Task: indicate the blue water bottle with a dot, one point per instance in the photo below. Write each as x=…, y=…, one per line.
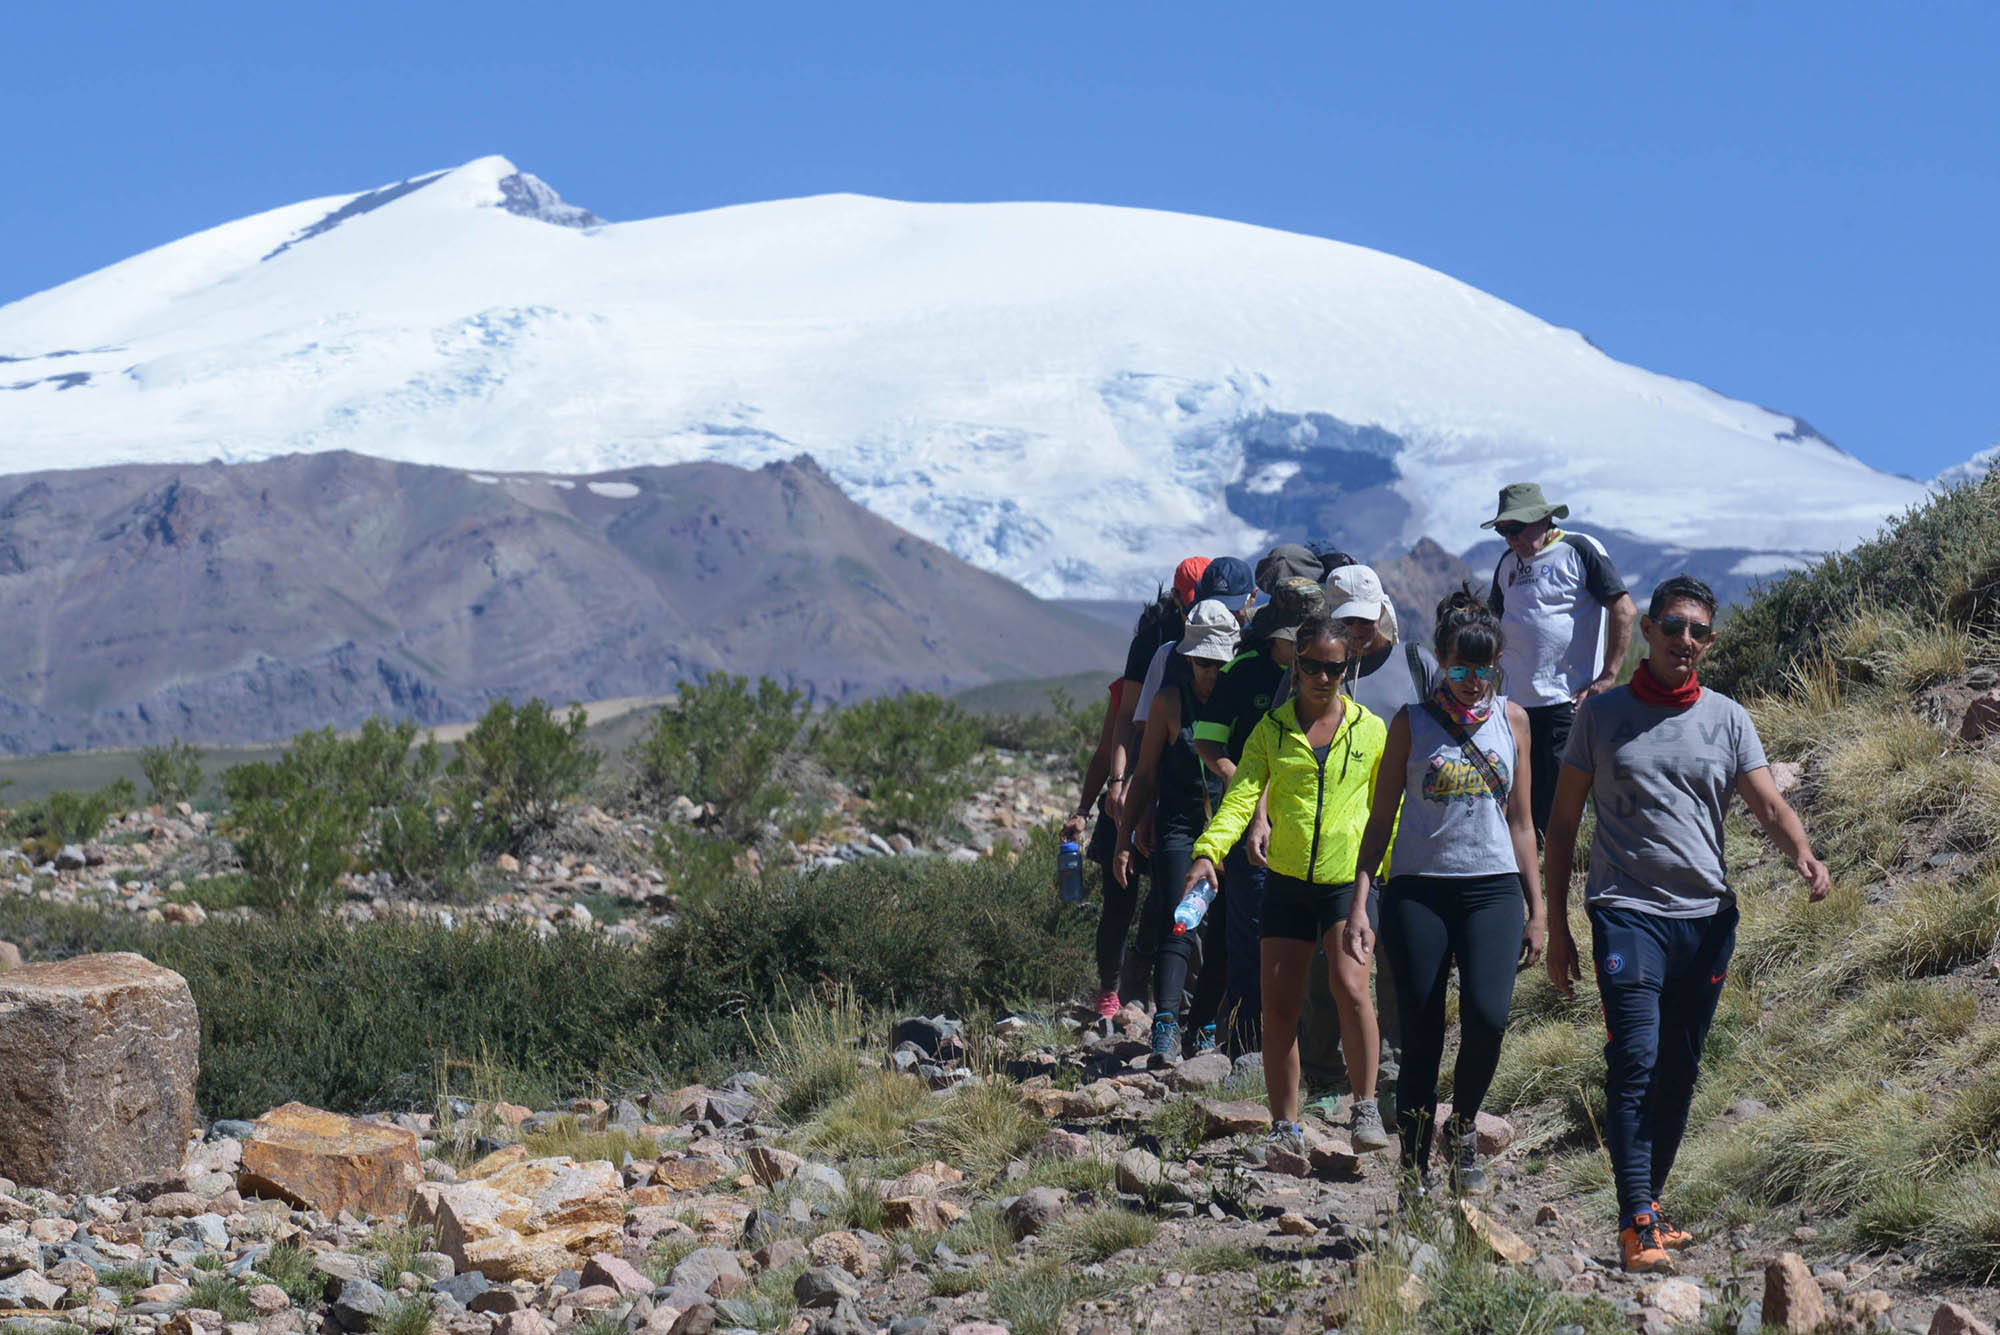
x=1069, y=873
x=1194, y=907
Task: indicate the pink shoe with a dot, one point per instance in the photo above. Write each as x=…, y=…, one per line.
x=1107, y=1005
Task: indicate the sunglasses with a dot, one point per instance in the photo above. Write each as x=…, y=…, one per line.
x=1357, y=623
x=1510, y=529
x=1317, y=667
x=1671, y=627
x=1459, y=672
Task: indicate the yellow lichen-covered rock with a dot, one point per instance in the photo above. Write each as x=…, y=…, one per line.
x=322, y=1161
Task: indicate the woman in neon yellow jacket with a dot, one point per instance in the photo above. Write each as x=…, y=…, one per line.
x=1314, y=759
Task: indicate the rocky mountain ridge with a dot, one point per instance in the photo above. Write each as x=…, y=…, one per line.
x=245, y=602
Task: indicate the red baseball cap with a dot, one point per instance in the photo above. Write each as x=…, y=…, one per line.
x=1187, y=577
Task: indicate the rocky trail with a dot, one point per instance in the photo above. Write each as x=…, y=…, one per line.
x=1045, y=1178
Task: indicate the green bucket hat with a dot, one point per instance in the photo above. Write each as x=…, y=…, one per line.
x=1523, y=503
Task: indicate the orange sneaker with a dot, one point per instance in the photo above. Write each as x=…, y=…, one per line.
x=1639, y=1246
x=1673, y=1239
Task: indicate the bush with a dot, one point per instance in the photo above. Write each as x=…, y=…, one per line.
x=903, y=932
x=1065, y=728
x=720, y=743
x=907, y=755
x=173, y=772
x=64, y=817
x=362, y=1016
x=1938, y=562
x=518, y=765
x=693, y=863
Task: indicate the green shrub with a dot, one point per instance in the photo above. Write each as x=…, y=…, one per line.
x=64, y=817
x=720, y=743
x=1065, y=728
x=518, y=765
x=692, y=862
x=330, y=803
x=907, y=755
x=902, y=931
x=1939, y=561
x=361, y=1016
x=173, y=772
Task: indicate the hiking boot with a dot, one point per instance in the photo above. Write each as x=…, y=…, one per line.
x=1365, y=1130
x=1204, y=1039
x=1107, y=1004
x=1673, y=1239
x=1166, y=1039
x=1289, y=1136
x=1461, y=1157
x=1639, y=1247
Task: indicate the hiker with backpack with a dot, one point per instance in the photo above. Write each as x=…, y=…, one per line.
x=1463, y=885
x=1660, y=760
x=1170, y=782
x=1567, y=620
x=1315, y=759
x=1161, y=621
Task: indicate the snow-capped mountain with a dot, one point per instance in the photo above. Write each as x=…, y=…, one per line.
x=1070, y=395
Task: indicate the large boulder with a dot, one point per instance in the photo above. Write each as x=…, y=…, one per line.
x=529, y=1221
x=322, y=1161
x=97, y=1085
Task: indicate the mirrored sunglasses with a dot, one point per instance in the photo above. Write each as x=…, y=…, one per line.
x=1459, y=672
x=1671, y=627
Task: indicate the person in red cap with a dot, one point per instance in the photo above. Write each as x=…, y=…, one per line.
x=1161, y=622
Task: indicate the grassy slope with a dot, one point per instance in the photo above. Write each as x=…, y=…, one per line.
x=1867, y=1024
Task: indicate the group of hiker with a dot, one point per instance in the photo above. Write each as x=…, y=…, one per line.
x=1278, y=749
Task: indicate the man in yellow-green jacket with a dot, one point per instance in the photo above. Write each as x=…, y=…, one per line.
x=1314, y=760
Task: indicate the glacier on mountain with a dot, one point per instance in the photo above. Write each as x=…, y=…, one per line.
x=1074, y=396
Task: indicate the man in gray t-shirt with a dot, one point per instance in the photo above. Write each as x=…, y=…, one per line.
x=1661, y=758
x=1662, y=780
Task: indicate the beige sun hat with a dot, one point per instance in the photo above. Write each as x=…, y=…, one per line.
x=1212, y=631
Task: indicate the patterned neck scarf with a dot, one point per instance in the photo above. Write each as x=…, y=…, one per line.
x=1469, y=717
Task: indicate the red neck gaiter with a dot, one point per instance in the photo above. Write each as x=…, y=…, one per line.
x=1647, y=688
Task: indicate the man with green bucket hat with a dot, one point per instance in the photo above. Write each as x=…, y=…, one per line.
x=1567, y=620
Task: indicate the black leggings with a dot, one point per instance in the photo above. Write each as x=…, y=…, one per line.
x=1114, y=925
x=1427, y=922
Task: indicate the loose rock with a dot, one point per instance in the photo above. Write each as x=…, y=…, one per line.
x=1792, y=1301
x=322, y=1161
x=99, y=1075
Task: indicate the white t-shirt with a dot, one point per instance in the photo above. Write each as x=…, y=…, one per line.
x=1552, y=612
x=1156, y=672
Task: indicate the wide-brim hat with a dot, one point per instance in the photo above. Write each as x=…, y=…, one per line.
x=1287, y=561
x=1212, y=632
x=1523, y=503
x=1292, y=601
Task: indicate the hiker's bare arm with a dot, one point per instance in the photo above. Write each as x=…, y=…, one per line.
x=1558, y=857
x=1759, y=792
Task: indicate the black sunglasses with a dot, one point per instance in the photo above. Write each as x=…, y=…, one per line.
x=1671, y=627
x=1317, y=667
x=1510, y=529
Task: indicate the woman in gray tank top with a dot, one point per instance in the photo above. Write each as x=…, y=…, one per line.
x=1464, y=885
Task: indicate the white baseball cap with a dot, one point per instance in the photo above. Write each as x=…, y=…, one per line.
x=1355, y=591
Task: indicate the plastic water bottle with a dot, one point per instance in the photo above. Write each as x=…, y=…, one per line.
x=1192, y=908
x=1069, y=873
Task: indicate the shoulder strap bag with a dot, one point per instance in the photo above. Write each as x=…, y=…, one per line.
x=1452, y=729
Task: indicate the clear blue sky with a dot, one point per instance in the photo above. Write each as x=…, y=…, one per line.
x=1794, y=203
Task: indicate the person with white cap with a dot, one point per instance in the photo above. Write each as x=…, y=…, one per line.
x=1384, y=673
x=1567, y=620
x=1172, y=783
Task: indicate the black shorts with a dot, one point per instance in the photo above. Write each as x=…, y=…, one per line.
x=1296, y=910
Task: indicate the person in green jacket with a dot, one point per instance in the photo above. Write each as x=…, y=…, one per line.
x=1314, y=759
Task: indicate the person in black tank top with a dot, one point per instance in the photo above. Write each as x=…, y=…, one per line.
x=1181, y=792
